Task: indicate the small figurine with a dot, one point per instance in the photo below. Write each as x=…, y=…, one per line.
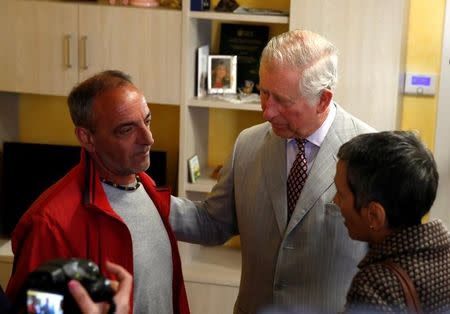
x=226, y=6
x=248, y=87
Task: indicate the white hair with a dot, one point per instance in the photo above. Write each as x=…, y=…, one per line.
x=314, y=56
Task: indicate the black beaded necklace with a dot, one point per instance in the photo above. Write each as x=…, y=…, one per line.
x=123, y=187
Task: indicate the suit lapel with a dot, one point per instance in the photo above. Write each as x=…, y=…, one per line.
x=274, y=174
x=321, y=176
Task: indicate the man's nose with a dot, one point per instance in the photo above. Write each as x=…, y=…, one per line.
x=147, y=136
x=269, y=109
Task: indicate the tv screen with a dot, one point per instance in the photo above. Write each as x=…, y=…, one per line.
x=29, y=169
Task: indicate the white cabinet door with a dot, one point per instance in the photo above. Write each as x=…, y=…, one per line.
x=47, y=47
x=38, y=41
x=145, y=43
x=8, y=11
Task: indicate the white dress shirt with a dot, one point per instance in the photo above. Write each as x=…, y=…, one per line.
x=313, y=143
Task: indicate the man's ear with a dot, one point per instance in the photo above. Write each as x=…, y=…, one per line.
x=376, y=216
x=85, y=138
x=324, y=101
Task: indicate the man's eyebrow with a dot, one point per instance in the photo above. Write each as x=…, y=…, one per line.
x=148, y=116
x=277, y=95
x=283, y=97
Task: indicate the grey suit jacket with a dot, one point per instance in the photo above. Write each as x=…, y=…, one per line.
x=308, y=262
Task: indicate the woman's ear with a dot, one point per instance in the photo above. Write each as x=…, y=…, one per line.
x=376, y=216
x=85, y=138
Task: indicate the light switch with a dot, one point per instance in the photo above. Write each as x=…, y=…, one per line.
x=420, y=84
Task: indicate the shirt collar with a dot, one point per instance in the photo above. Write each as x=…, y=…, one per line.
x=319, y=135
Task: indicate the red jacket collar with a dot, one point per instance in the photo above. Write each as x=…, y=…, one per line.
x=94, y=194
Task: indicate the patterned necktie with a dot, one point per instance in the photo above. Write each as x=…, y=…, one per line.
x=297, y=177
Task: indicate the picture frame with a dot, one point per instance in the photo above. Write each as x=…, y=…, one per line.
x=202, y=70
x=222, y=74
x=194, y=169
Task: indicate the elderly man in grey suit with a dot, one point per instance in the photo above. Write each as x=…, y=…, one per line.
x=300, y=256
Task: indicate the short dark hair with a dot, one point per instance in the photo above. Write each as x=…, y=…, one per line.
x=82, y=96
x=395, y=169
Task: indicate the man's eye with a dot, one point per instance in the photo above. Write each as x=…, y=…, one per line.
x=283, y=101
x=125, y=130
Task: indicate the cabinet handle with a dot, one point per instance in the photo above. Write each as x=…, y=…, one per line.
x=84, y=64
x=67, y=44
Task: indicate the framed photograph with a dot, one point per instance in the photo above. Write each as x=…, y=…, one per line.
x=194, y=168
x=222, y=74
x=202, y=70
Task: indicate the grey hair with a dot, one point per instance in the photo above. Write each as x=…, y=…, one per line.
x=313, y=55
x=82, y=96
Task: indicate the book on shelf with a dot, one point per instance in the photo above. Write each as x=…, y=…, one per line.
x=200, y=5
x=247, y=42
x=194, y=169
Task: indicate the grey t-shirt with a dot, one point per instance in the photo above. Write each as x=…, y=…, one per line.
x=152, y=254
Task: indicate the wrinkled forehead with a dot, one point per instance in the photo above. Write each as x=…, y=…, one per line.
x=120, y=103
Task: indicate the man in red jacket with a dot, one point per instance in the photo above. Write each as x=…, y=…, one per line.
x=107, y=208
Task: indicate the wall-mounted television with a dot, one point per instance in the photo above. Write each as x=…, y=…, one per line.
x=28, y=169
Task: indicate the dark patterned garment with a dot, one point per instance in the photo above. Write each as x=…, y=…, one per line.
x=424, y=252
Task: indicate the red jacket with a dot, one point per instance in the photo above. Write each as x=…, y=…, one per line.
x=73, y=218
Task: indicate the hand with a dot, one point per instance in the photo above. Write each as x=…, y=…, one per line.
x=121, y=298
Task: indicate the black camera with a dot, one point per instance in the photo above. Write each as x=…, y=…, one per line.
x=47, y=290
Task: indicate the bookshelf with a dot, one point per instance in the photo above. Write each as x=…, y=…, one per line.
x=371, y=45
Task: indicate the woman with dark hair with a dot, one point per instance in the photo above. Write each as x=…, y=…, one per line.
x=386, y=182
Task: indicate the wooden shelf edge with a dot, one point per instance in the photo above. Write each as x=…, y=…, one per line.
x=204, y=185
x=211, y=102
x=225, y=16
x=209, y=274
x=6, y=254
x=216, y=265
